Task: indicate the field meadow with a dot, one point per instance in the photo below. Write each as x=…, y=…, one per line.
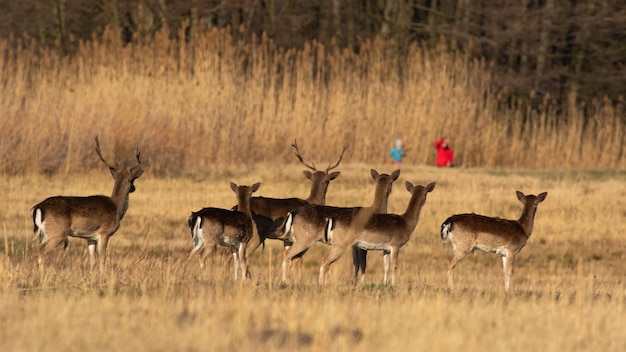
x=568, y=290
x=215, y=110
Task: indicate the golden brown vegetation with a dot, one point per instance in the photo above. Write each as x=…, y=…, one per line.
x=212, y=111
x=568, y=290
x=196, y=106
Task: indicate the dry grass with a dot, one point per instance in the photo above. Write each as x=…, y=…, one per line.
x=568, y=290
x=193, y=107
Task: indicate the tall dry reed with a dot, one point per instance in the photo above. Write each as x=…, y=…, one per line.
x=194, y=107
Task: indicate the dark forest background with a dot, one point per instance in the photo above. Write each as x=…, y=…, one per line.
x=569, y=53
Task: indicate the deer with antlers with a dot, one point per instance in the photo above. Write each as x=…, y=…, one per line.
x=308, y=224
x=269, y=213
x=230, y=228
x=468, y=232
x=94, y=218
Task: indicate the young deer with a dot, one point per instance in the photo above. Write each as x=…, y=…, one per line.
x=230, y=228
x=381, y=198
x=269, y=213
x=307, y=223
x=386, y=232
x=94, y=218
x=468, y=232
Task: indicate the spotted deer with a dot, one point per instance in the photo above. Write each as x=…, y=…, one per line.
x=468, y=232
x=229, y=228
x=93, y=218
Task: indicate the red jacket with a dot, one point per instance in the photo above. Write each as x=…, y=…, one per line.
x=445, y=156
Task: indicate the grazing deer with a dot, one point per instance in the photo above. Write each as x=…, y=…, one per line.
x=468, y=232
x=230, y=228
x=275, y=209
x=386, y=232
x=94, y=218
x=381, y=198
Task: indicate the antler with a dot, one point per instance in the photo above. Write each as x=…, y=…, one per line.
x=338, y=161
x=138, y=160
x=100, y=154
x=295, y=145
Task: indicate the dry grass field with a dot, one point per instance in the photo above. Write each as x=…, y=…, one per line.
x=216, y=110
x=568, y=288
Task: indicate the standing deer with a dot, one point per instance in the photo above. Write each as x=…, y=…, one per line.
x=386, y=232
x=94, y=218
x=307, y=225
x=468, y=232
x=230, y=228
x=381, y=198
x=275, y=209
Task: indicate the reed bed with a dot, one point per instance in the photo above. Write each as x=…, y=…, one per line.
x=567, y=291
x=195, y=106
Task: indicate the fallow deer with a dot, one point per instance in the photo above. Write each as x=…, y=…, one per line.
x=275, y=209
x=306, y=225
x=230, y=228
x=381, y=199
x=468, y=232
x=386, y=232
x=94, y=218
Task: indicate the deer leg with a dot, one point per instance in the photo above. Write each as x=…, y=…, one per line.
x=507, y=263
x=102, y=251
x=454, y=260
x=93, y=252
x=386, y=260
x=331, y=257
x=295, y=250
x=204, y=253
x=359, y=257
x=393, y=263
x=47, y=246
x=253, y=244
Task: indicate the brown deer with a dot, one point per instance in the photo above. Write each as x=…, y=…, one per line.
x=386, y=232
x=94, y=218
x=230, y=228
x=381, y=199
x=468, y=232
x=307, y=225
x=269, y=213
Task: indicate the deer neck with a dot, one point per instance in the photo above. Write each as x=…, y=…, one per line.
x=120, y=197
x=243, y=205
x=318, y=193
x=527, y=218
x=413, y=210
x=381, y=199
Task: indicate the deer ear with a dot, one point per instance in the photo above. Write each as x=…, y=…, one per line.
x=112, y=171
x=395, y=174
x=542, y=196
x=308, y=174
x=520, y=196
x=255, y=187
x=333, y=176
x=233, y=186
x=409, y=186
x=374, y=174
x=430, y=187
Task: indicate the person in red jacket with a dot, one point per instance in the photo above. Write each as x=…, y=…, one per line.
x=445, y=155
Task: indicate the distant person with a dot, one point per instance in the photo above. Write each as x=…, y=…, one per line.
x=397, y=153
x=445, y=155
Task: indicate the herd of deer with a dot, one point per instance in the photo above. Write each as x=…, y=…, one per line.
x=299, y=223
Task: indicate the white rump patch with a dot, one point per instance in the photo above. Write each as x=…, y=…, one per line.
x=198, y=237
x=328, y=232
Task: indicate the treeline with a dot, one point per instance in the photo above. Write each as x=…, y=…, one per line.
x=564, y=52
